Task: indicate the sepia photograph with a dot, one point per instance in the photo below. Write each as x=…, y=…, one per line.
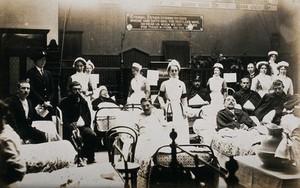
x=149, y=94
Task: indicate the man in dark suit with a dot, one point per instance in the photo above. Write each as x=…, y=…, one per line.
x=76, y=114
x=247, y=98
x=42, y=87
x=22, y=111
x=251, y=71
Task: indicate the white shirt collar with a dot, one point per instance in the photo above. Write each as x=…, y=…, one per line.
x=39, y=69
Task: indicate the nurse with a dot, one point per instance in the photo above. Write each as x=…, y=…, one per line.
x=217, y=86
x=139, y=86
x=172, y=98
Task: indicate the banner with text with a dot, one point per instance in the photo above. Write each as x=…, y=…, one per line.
x=164, y=22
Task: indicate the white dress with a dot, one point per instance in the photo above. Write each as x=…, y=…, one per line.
x=83, y=79
x=216, y=85
x=274, y=70
x=138, y=85
x=174, y=88
x=261, y=84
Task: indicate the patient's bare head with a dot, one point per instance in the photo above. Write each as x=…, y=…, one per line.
x=245, y=83
x=229, y=102
x=147, y=106
x=278, y=87
x=23, y=89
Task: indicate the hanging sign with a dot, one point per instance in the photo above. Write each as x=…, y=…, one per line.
x=164, y=22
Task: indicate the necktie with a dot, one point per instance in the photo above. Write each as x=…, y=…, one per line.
x=42, y=72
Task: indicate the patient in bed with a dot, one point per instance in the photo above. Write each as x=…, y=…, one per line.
x=151, y=129
x=103, y=98
x=233, y=118
x=224, y=122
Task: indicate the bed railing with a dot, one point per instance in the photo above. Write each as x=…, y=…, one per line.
x=212, y=164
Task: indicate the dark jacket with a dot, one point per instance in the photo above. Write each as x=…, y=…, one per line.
x=226, y=119
x=20, y=123
x=42, y=87
x=202, y=92
x=72, y=110
x=272, y=101
x=99, y=100
x=242, y=96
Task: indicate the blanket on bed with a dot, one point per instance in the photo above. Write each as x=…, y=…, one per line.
x=237, y=142
x=47, y=157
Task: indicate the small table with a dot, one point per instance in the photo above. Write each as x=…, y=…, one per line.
x=94, y=175
x=252, y=173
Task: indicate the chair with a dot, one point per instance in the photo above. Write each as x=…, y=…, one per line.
x=121, y=142
x=104, y=119
x=230, y=91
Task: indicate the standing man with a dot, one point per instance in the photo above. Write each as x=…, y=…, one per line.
x=76, y=113
x=22, y=113
x=198, y=92
x=247, y=98
x=42, y=87
x=251, y=71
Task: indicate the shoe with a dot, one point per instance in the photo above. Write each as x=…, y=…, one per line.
x=91, y=161
x=79, y=161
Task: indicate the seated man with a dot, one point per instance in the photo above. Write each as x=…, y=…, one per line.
x=22, y=112
x=233, y=118
x=76, y=113
x=103, y=97
x=198, y=94
x=276, y=104
x=247, y=98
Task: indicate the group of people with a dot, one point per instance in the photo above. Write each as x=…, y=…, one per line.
x=267, y=95
x=268, y=71
x=267, y=110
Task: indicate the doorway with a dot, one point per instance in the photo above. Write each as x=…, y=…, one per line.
x=16, y=45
